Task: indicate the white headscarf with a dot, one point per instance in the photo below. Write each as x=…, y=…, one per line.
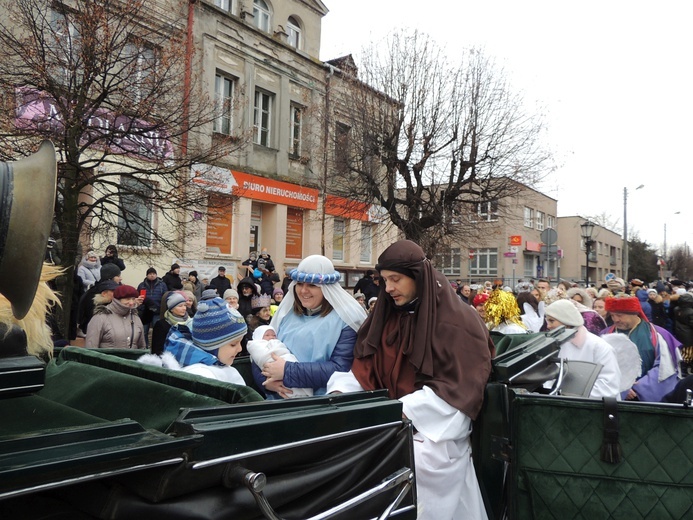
x=318, y=270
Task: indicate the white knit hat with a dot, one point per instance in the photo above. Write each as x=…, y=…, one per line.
x=565, y=312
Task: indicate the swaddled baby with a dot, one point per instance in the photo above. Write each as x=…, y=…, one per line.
x=261, y=348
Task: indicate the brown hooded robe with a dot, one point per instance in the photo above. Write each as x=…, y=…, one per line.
x=435, y=341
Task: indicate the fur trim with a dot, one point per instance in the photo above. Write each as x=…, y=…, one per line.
x=166, y=360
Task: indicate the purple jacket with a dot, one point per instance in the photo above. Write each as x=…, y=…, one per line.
x=593, y=321
x=648, y=387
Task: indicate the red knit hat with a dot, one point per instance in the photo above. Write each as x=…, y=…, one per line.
x=480, y=299
x=125, y=291
x=625, y=305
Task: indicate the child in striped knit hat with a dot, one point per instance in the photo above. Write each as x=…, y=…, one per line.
x=213, y=343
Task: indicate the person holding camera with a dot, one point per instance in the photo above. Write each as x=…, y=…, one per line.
x=112, y=257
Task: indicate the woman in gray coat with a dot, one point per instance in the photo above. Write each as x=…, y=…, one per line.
x=116, y=324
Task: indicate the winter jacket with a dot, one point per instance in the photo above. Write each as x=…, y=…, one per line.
x=683, y=319
x=85, y=308
x=155, y=292
x=114, y=325
x=197, y=289
x=316, y=375
x=160, y=332
x=286, y=281
x=266, y=267
x=367, y=287
x=221, y=284
x=244, y=305
x=113, y=260
x=659, y=314
x=641, y=295
x=173, y=281
x=89, y=272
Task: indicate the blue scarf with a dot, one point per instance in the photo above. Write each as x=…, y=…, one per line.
x=179, y=343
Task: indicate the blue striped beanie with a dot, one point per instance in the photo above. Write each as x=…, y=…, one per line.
x=215, y=324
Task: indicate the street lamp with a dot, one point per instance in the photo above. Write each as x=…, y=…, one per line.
x=587, y=229
x=625, y=265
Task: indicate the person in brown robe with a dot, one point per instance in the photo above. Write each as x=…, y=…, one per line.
x=433, y=353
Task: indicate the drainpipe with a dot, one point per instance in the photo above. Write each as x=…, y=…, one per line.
x=187, y=80
x=326, y=140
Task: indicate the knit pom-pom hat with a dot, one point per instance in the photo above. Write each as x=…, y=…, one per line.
x=215, y=324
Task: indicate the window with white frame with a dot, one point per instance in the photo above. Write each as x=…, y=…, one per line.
x=65, y=45
x=551, y=221
x=135, y=215
x=488, y=211
x=261, y=15
x=540, y=221
x=223, y=94
x=366, y=242
x=338, y=233
x=226, y=5
x=529, y=217
x=141, y=66
x=449, y=263
x=296, y=129
x=485, y=262
x=293, y=31
x=262, y=118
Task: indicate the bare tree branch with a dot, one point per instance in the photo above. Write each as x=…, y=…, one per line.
x=104, y=81
x=441, y=139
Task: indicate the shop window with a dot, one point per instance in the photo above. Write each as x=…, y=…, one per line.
x=294, y=233
x=219, y=224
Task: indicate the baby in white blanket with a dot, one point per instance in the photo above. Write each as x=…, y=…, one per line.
x=261, y=348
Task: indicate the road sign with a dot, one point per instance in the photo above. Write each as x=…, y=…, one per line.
x=609, y=276
x=549, y=236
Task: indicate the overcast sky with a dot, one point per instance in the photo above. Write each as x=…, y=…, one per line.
x=614, y=78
